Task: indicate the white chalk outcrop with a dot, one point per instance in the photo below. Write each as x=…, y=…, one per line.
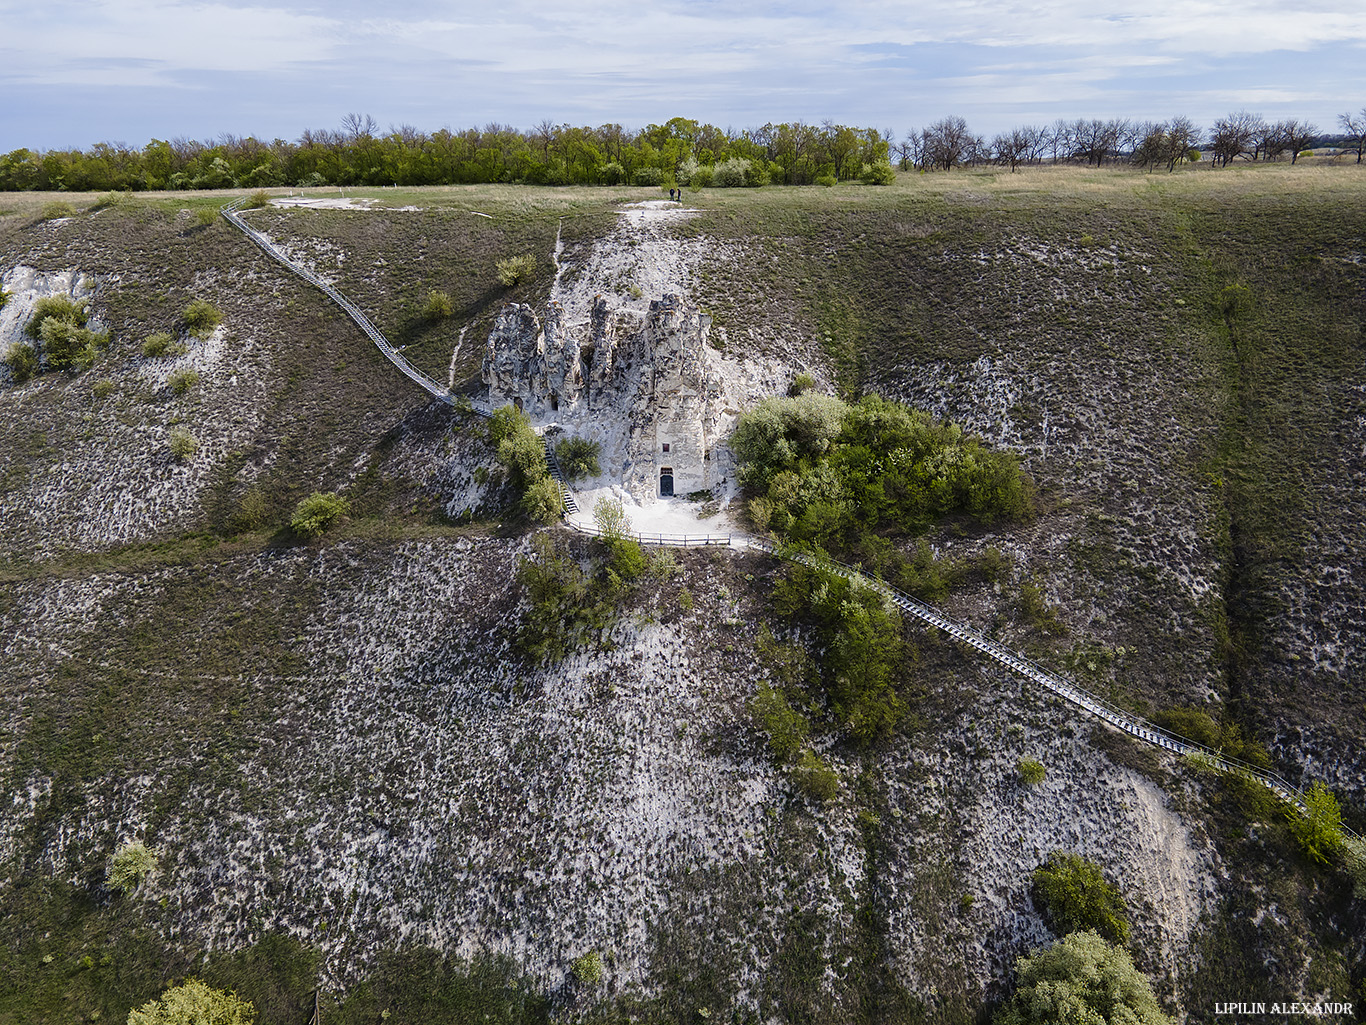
x=649, y=388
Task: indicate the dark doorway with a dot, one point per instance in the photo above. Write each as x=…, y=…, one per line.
x=517, y=401
x=666, y=482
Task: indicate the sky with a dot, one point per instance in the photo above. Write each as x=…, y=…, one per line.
x=126, y=71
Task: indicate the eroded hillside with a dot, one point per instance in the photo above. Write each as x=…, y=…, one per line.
x=340, y=741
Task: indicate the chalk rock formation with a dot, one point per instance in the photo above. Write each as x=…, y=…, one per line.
x=649, y=388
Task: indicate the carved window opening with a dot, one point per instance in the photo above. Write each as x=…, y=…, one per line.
x=666, y=446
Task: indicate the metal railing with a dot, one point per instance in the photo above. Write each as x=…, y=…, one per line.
x=671, y=540
x=1120, y=718
x=436, y=390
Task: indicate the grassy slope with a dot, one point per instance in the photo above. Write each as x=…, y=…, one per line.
x=1070, y=314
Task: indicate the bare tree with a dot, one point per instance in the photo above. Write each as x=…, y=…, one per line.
x=1354, y=125
x=1098, y=140
x=1151, y=147
x=1181, y=136
x=1233, y=134
x=913, y=148
x=1269, y=141
x=946, y=143
x=358, y=126
x=544, y=133
x=1061, y=139
x=1012, y=148
x=1297, y=135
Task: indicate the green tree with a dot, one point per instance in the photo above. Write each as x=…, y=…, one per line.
x=614, y=526
x=1081, y=980
x=588, y=968
x=1032, y=772
x=578, y=458
x=515, y=269
x=1319, y=833
x=1073, y=895
x=542, y=500
x=316, y=513
x=785, y=727
x=194, y=1003
x=132, y=863
x=438, y=305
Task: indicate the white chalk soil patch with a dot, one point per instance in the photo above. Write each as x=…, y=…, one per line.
x=339, y=203
x=637, y=261
x=670, y=517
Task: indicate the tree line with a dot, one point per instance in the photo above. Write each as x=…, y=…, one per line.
x=680, y=152
x=358, y=153
x=950, y=143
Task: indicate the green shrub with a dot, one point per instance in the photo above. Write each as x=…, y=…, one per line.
x=542, y=501
x=786, y=728
x=702, y=178
x=828, y=180
x=516, y=269
x=1035, y=610
x=588, y=968
x=162, y=343
x=861, y=640
x=206, y=215
x=103, y=388
x=182, y=444
x=110, y=199
x=613, y=173
x=1081, y=979
x=627, y=557
x=1199, y=727
x=201, y=317
x=258, y=199
x=57, y=308
x=1319, y=833
x=566, y=608
x=1073, y=895
x=22, y=360
x=880, y=173
x=814, y=777
x=649, y=176
x=317, y=513
x=131, y=864
x=1190, y=723
x=801, y=383
x=1032, y=773
x=5, y=297
x=663, y=564
x=56, y=210
x=252, y=510
x=578, y=458
x=194, y=1003
x=438, y=305
x=67, y=346
x=730, y=174
x=183, y=380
